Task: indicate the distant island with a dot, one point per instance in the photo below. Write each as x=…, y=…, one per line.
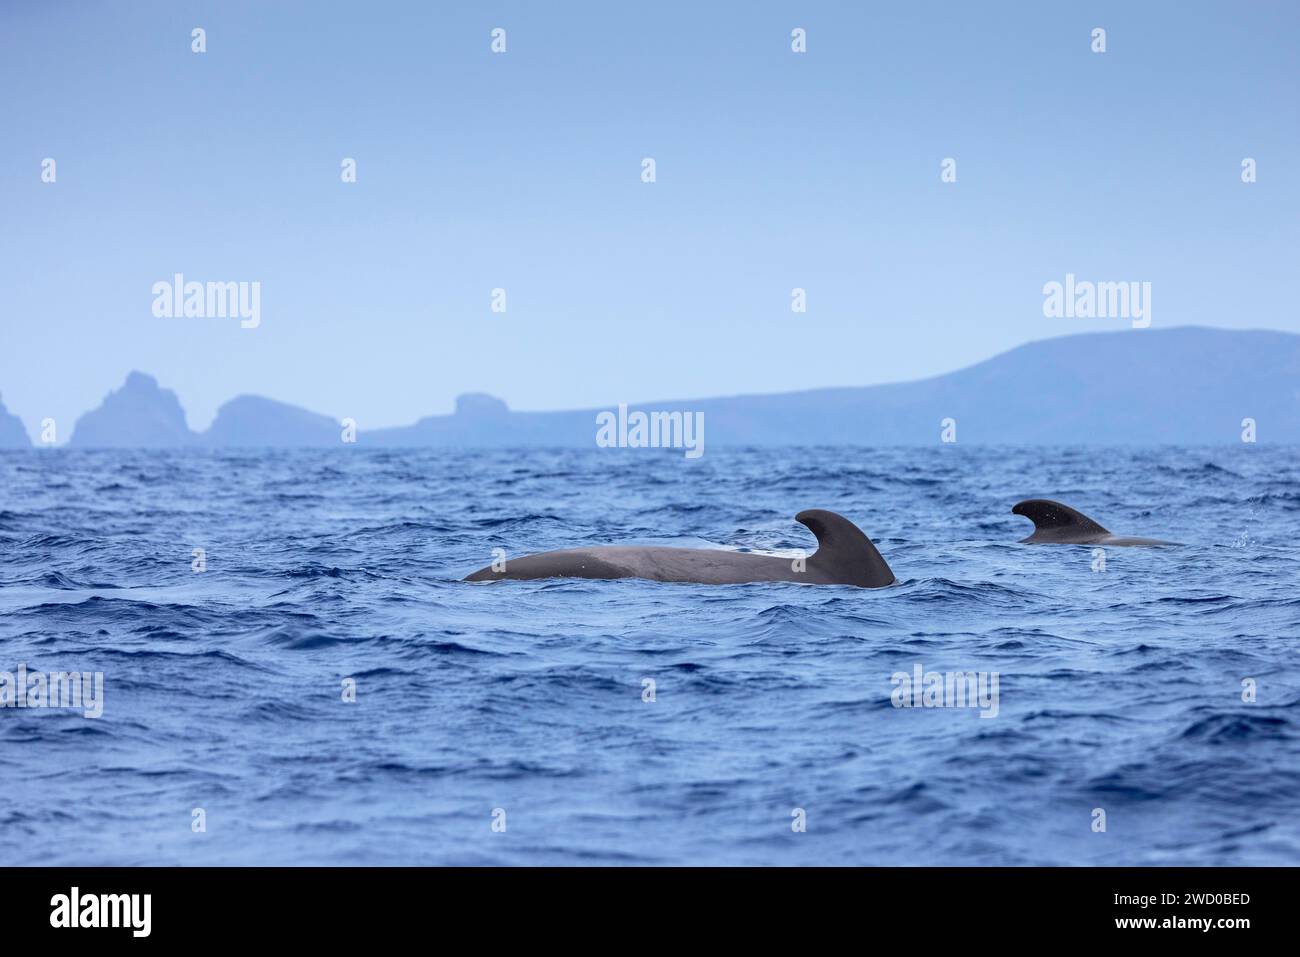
x=12, y=433
x=1187, y=385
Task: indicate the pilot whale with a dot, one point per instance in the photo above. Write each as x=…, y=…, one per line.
x=844, y=556
x=1054, y=522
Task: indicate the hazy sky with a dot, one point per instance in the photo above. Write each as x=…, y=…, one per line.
x=522, y=171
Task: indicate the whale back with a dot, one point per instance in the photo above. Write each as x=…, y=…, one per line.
x=844, y=556
x=1054, y=522
x=844, y=553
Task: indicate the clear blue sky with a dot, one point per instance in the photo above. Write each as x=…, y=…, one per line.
x=522, y=171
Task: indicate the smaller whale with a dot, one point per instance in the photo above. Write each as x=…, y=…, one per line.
x=844, y=556
x=1062, y=525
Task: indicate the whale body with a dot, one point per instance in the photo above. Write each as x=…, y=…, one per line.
x=844, y=556
x=1060, y=524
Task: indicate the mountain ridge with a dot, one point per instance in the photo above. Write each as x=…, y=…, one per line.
x=13, y=434
x=1188, y=384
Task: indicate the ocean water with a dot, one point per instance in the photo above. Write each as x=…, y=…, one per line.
x=523, y=703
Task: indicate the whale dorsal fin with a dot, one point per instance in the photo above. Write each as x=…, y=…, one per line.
x=1056, y=522
x=844, y=553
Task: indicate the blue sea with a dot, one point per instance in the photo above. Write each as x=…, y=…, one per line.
x=632, y=722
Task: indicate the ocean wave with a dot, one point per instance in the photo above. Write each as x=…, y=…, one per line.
x=631, y=721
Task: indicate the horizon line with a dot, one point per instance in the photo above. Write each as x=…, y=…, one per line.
x=632, y=403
